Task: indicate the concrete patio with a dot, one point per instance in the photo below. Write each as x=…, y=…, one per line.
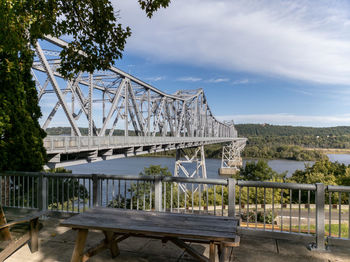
x=57, y=243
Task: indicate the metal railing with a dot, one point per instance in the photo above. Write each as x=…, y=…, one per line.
x=278, y=209
x=338, y=220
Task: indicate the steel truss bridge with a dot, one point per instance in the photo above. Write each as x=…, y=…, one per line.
x=125, y=116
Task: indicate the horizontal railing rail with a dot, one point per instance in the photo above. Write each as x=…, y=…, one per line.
x=315, y=211
x=276, y=185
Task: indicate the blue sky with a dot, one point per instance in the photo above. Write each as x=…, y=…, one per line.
x=259, y=61
x=266, y=61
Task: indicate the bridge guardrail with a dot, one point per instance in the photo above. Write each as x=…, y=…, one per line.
x=285, y=210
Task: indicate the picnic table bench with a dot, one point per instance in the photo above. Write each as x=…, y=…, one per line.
x=29, y=232
x=119, y=224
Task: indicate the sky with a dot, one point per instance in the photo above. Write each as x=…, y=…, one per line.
x=258, y=61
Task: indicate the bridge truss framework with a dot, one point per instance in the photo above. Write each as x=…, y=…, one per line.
x=112, y=100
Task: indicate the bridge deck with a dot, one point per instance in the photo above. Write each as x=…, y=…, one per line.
x=84, y=149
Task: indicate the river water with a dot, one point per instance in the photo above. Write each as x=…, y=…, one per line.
x=135, y=165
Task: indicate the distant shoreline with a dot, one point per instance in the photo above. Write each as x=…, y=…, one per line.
x=331, y=150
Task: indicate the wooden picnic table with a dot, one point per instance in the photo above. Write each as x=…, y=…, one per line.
x=119, y=224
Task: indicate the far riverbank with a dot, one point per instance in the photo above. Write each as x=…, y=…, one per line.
x=330, y=151
x=135, y=165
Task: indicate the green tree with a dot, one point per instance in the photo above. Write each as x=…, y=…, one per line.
x=143, y=192
x=259, y=171
x=94, y=29
x=325, y=172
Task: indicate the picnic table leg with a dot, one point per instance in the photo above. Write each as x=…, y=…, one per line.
x=219, y=250
x=79, y=245
x=224, y=253
x=5, y=232
x=111, y=243
x=34, y=235
x=212, y=251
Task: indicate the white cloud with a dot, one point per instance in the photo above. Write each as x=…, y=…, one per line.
x=299, y=39
x=189, y=79
x=155, y=78
x=241, y=82
x=218, y=80
x=289, y=119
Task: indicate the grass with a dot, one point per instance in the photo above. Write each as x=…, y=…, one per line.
x=344, y=230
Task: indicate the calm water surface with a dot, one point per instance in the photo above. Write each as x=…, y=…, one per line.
x=135, y=165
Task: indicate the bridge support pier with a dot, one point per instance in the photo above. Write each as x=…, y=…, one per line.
x=231, y=157
x=194, y=165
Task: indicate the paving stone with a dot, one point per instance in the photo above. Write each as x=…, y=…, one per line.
x=133, y=244
x=126, y=256
x=287, y=247
x=263, y=244
x=156, y=246
x=201, y=248
x=240, y=255
x=338, y=253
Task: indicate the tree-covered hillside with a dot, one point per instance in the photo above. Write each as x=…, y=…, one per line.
x=307, y=137
x=248, y=130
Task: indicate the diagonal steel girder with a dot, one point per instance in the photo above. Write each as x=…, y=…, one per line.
x=136, y=109
x=113, y=107
x=57, y=89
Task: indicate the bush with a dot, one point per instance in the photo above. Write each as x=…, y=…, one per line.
x=269, y=216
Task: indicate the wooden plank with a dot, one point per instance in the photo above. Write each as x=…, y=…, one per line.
x=94, y=250
x=123, y=212
x=192, y=240
x=13, y=246
x=106, y=225
x=34, y=235
x=189, y=249
x=212, y=253
x=224, y=223
x=232, y=244
x=102, y=246
x=78, y=251
x=22, y=220
x=82, y=221
x=161, y=222
x=122, y=237
x=177, y=218
x=131, y=213
x=195, y=234
x=111, y=243
x=224, y=253
x=5, y=232
x=148, y=229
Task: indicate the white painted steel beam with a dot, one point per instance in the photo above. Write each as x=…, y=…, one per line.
x=57, y=89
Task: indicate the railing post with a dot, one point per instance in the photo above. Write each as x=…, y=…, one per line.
x=42, y=190
x=232, y=197
x=96, y=191
x=320, y=217
x=158, y=194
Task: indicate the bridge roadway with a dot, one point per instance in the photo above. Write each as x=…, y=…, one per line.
x=72, y=150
